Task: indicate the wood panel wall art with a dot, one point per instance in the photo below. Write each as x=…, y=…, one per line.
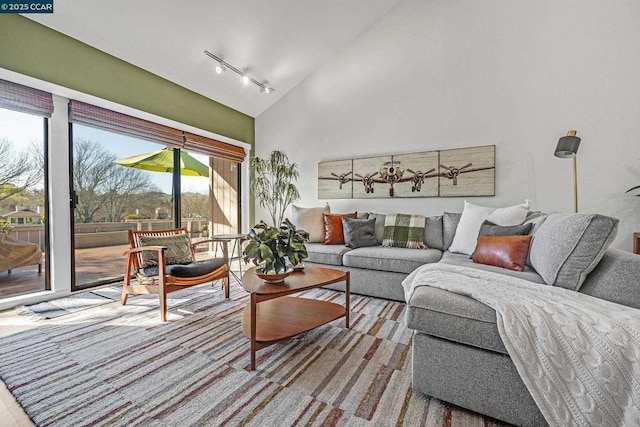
x=443, y=173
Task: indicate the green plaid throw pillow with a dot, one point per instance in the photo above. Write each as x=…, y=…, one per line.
x=404, y=231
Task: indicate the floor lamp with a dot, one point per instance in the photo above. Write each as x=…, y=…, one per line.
x=567, y=148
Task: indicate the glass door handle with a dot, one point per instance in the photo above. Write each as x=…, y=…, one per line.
x=73, y=199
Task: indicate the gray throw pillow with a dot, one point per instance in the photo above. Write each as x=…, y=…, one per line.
x=449, y=225
x=433, y=232
x=567, y=247
x=490, y=229
x=359, y=233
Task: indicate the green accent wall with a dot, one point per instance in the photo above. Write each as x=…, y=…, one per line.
x=32, y=49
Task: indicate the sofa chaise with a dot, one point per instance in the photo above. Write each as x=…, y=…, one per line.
x=458, y=354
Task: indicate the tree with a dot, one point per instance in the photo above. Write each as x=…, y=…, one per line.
x=103, y=186
x=272, y=184
x=126, y=188
x=194, y=205
x=21, y=170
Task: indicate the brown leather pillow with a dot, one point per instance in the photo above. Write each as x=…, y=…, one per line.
x=502, y=251
x=333, y=234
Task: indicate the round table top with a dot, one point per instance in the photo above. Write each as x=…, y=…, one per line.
x=228, y=236
x=310, y=277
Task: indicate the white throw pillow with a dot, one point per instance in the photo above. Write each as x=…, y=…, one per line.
x=474, y=215
x=512, y=215
x=310, y=220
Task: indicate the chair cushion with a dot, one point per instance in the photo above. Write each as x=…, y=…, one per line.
x=178, y=249
x=398, y=260
x=194, y=269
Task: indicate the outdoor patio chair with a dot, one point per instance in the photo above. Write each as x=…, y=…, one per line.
x=16, y=253
x=164, y=261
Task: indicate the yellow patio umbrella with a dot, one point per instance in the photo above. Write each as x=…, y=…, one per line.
x=162, y=161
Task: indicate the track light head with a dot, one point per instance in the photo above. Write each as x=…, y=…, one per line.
x=222, y=66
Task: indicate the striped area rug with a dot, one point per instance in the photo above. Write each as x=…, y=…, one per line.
x=116, y=365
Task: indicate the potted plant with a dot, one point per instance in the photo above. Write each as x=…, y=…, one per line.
x=204, y=230
x=275, y=249
x=272, y=184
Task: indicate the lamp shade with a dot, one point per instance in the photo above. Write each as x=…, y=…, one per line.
x=568, y=146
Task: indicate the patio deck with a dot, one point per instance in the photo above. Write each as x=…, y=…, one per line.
x=94, y=266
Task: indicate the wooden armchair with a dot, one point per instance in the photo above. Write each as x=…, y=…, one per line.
x=165, y=261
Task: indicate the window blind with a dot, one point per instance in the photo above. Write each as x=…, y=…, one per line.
x=25, y=99
x=213, y=148
x=101, y=118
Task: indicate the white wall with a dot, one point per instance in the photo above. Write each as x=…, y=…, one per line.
x=440, y=74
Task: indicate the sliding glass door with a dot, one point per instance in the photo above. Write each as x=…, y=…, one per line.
x=111, y=196
x=23, y=203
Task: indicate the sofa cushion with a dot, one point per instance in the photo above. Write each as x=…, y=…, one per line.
x=464, y=261
x=502, y=251
x=333, y=231
x=450, y=222
x=454, y=317
x=310, y=220
x=359, y=233
x=404, y=231
x=433, y=232
x=567, y=247
x=615, y=278
x=326, y=254
x=399, y=260
x=380, y=218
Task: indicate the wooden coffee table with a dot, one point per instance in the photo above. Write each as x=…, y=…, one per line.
x=272, y=316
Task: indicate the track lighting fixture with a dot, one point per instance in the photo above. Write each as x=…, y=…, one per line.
x=222, y=66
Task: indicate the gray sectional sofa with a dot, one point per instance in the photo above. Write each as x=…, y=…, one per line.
x=458, y=355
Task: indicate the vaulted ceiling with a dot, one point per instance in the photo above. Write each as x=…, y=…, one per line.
x=279, y=41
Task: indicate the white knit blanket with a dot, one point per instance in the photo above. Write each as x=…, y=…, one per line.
x=579, y=356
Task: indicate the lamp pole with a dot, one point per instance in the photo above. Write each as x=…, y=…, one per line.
x=568, y=148
x=575, y=184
